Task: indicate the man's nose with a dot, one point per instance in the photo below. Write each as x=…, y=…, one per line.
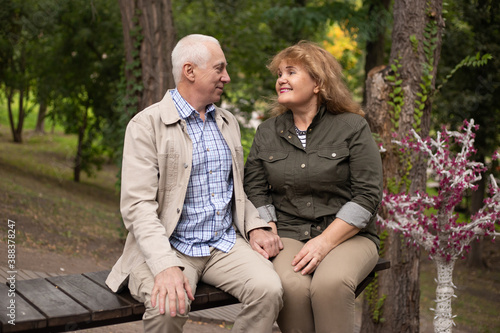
x=225, y=77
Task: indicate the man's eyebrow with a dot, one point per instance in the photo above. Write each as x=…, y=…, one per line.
x=221, y=64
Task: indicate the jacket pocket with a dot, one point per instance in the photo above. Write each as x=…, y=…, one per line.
x=275, y=168
x=332, y=164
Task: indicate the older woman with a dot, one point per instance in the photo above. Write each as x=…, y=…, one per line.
x=314, y=172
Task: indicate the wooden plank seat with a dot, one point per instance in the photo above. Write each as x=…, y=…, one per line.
x=80, y=301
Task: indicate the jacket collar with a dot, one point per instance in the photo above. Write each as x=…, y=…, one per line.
x=286, y=124
x=169, y=114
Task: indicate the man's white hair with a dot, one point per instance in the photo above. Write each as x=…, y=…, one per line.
x=191, y=48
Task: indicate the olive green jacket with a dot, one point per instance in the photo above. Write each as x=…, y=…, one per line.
x=338, y=174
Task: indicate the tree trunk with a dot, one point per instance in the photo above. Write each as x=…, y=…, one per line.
x=77, y=170
x=443, y=322
x=149, y=38
x=375, y=55
x=392, y=305
x=40, y=121
x=15, y=137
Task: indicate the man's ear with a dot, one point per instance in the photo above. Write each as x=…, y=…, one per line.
x=188, y=71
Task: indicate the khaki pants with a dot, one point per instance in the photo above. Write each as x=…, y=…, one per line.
x=242, y=272
x=324, y=301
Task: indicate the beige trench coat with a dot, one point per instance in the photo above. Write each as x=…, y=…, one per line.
x=157, y=157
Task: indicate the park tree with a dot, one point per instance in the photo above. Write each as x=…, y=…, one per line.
x=86, y=54
x=398, y=101
x=149, y=37
x=18, y=43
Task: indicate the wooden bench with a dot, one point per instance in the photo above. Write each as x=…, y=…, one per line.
x=80, y=301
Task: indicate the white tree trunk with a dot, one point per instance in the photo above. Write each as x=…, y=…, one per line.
x=443, y=321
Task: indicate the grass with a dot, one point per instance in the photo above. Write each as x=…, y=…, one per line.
x=478, y=293
x=50, y=210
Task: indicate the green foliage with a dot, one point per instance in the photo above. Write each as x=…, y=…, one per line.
x=396, y=95
x=472, y=86
x=247, y=135
x=468, y=61
x=429, y=43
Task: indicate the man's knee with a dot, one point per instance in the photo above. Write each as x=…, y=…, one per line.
x=260, y=288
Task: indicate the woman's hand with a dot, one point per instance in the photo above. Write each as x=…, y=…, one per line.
x=316, y=249
x=311, y=255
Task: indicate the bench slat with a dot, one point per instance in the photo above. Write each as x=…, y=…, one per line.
x=58, y=307
x=100, y=279
x=102, y=303
x=26, y=316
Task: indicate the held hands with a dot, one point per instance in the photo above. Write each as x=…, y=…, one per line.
x=265, y=242
x=170, y=284
x=311, y=255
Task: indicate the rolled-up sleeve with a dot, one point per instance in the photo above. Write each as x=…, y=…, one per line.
x=366, y=179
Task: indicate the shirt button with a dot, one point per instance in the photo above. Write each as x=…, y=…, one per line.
x=210, y=172
x=208, y=149
x=213, y=194
x=333, y=154
x=218, y=213
x=302, y=165
x=306, y=233
x=308, y=204
x=215, y=233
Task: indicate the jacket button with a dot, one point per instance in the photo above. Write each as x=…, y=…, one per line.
x=302, y=165
x=178, y=210
x=333, y=154
x=308, y=204
x=271, y=157
x=185, y=165
x=289, y=136
x=306, y=233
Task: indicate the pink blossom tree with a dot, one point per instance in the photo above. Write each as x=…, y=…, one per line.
x=430, y=221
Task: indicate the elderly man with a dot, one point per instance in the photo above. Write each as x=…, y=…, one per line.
x=183, y=203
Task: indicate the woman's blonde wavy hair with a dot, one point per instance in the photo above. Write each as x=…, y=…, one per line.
x=325, y=70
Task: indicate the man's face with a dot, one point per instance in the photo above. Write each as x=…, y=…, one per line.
x=210, y=80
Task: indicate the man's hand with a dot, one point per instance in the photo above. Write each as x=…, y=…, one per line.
x=171, y=283
x=267, y=243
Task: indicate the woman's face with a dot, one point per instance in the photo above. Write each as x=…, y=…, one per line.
x=296, y=88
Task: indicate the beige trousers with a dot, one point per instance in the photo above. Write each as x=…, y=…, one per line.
x=324, y=301
x=242, y=272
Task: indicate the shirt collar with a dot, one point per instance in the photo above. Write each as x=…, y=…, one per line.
x=184, y=108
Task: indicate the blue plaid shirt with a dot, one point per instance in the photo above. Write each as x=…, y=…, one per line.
x=206, y=218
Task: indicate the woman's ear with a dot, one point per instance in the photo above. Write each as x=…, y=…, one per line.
x=316, y=89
